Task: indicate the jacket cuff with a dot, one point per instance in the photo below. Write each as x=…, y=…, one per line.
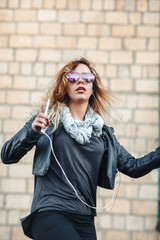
x=33, y=135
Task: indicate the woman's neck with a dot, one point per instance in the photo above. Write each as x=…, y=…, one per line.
x=78, y=110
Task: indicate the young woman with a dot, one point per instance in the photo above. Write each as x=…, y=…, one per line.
x=87, y=154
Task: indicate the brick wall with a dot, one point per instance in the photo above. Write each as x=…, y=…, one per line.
x=37, y=37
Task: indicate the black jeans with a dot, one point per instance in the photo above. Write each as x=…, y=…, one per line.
x=54, y=225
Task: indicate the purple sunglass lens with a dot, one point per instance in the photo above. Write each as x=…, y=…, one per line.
x=88, y=77
x=72, y=77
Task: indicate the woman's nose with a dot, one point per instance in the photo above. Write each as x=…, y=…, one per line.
x=80, y=80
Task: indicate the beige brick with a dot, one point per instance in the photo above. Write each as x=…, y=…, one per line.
x=3, y=170
x=14, y=68
x=13, y=217
x=135, y=44
x=3, y=41
x=84, y=5
x=38, y=69
x=20, y=41
x=66, y=42
x=131, y=191
x=98, y=30
x=150, y=178
x=121, y=206
x=123, y=31
x=3, y=68
x=5, y=81
x=13, y=3
x=110, y=43
x=2, y=96
x=131, y=130
x=149, y=101
x=6, y=54
x=25, y=4
x=3, y=3
x=26, y=55
x=6, y=15
x=20, y=170
x=111, y=70
x=109, y=5
x=7, y=28
x=153, y=71
x=12, y=126
x=47, y=15
x=49, y=55
x=44, y=83
x=140, y=146
x=68, y=16
x=26, y=68
x=147, y=131
x=93, y=16
x=73, y=4
x=4, y=111
x=20, y=82
x=14, y=97
x=123, y=71
x=17, y=234
x=145, y=207
x=147, y=86
x=147, y=192
x=27, y=28
x=97, y=4
x=30, y=188
x=136, y=71
x=5, y=232
x=44, y=42
x=150, y=223
x=3, y=217
x=69, y=55
x=72, y=29
x=130, y=5
x=100, y=69
x=17, y=201
x=134, y=223
x=150, y=58
x=151, y=18
x=21, y=112
x=87, y=43
x=135, y=18
x=1, y=200
x=116, y=17
x=154, y=44
x=146, y=116
x=37, y=3
x=121, y=84
x=142, y=5
x=13, y=186
x=105, y=222
x=154, y=5
x=118, y=222
x=145, y=235
x=24, y=15
x=98, y=56
x=49, y=3
x=51, y=28
x=121, y=57
x=50, y=69
x=36, y=96
x=148, y=31
x=114, y=235
x=61, y=4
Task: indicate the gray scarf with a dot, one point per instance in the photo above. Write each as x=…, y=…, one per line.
x=82, y=131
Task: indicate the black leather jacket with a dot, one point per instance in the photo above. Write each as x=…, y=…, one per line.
x=115, y=156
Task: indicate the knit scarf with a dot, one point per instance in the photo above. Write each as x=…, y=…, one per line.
x=82, y=131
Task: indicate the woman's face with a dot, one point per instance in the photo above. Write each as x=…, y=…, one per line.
x=79, y=91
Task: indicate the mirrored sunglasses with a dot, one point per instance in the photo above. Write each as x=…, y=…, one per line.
x=74, y=77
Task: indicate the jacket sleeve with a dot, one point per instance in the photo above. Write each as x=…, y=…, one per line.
x=14, y=149
x=136, y=167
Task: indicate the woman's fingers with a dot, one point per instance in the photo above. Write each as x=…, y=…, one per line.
x=41, y=121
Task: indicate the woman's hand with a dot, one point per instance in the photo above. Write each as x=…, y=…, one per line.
x=41, y=121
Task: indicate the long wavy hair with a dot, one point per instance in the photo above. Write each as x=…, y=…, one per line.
x=100, y=101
